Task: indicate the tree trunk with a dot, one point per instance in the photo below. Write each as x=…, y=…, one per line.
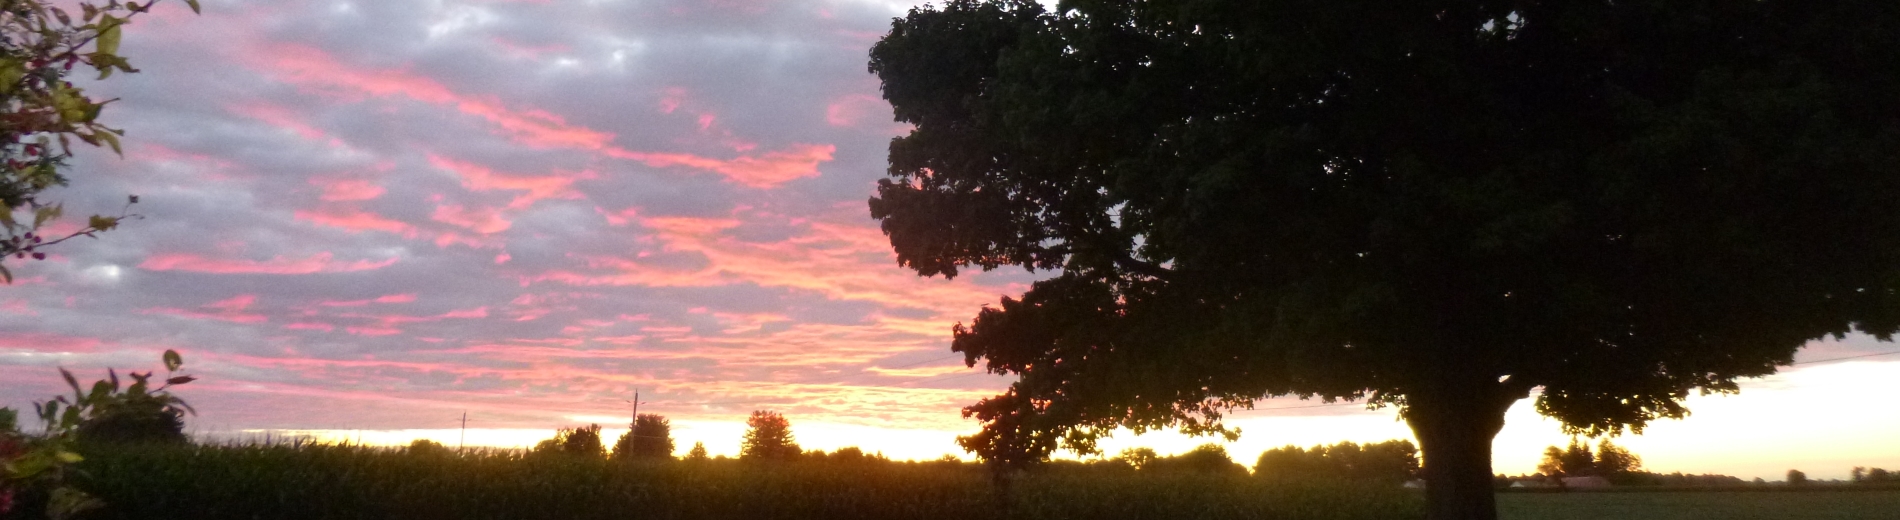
x=1454, y=430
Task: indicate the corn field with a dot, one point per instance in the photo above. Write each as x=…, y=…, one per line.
x=355, y=482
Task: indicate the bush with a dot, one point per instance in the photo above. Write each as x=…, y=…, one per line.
x=1390, y=461
x=583, y=441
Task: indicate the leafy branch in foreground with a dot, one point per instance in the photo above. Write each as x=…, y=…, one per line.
x=41, y=112
x=31, y=463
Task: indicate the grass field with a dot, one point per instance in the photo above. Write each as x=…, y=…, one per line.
x=342, y=482
x=348, y=482
x=1702, y=505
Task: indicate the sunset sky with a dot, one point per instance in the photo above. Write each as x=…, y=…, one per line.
x=365, y=218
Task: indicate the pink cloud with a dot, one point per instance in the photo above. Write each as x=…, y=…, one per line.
x=236, y=303
x=533, y=127
x=476, y=177
x=773, y=168
x=282, y=117
x=198, y=315
x=347, y=189
x=40, y=342
x=373, y=331
x=318, y=263
x=851, y=109
x=539, y=128
x=355, y=220
x=392, y=298
x=231, y=310
x=310, y=326
x=671, y=98
x=480, y=220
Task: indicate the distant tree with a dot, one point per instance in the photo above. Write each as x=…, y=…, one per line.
x=582, y=441
x=426, y=447
x=1574, y=460
x=1437, y=205
x=698, y=453
x=1207, y=458
x=651, y=437
x=1613, y=460
x=1879, y=475
x=768, y=437
x=1797, y=478
x=852, y=454
x=1137, y=457
x=1389, y=461
x=1858, y=475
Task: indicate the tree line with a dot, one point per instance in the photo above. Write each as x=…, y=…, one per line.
x=768, y=437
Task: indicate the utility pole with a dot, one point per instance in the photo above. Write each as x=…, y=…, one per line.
x=463, y=440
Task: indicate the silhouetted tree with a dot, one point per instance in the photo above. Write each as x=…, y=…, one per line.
x=1438, y=205
x=1797, y=478
x=1615, y=461
x=1879, y=475
x=1390, y=461
x=1609, y=461
x=1574, y=460
x=427, y=448
x=582, y=441
x=1206, y=458
x=1137, y=457
x=651, y=437
x=698, y=453
x=768, y=437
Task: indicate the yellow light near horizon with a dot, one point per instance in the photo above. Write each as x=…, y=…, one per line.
x=1815, y=418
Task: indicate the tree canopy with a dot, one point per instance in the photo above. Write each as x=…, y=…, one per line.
x=651, y=437
x=1439, y=205
x=1391, y=461
x=768, y=437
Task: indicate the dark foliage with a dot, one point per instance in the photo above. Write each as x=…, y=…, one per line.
x=768, y=438
x=1863, y=475
x=1210, y=459
x=1389, y=461
x=583, y=441
x=135, y=418
x=1438, y=205
x=347, y=482
x=650, y=438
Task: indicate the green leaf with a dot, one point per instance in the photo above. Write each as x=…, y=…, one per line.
x=110, y=139
x=44, y=214
x=194, y=6
x=100, y=390
x=180, y=380
x=108, y=41
x=69, y=457
x=67, y=502
x=71, y=381
x=103, y=223
x=173, y=360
